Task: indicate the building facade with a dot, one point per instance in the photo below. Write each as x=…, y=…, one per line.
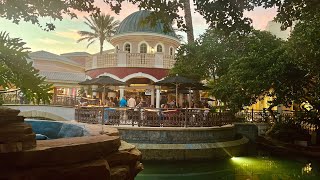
x=142, y=55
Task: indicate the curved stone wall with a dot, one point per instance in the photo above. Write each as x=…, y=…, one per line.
x=165, y=143
x=172, y=135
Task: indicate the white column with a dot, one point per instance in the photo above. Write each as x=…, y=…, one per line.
x=157, y=96
x=180, y=99
x=121, y=91
x=152, y=96
x=70, y=91
x=94, y=93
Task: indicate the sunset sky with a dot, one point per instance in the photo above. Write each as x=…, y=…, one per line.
x=63, y=39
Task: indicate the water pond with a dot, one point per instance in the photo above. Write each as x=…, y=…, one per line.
x=246, y=168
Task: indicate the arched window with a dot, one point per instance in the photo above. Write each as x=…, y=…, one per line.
x=159, y=48
x=127, y=47
x=171, y=51
x=143, y=48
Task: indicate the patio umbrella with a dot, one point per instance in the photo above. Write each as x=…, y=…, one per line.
x=101, y=89
x=103, y=81
x=176, y=81
x=86, y=82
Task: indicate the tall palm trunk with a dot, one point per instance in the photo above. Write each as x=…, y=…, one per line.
x=188, y=18
x=190, y=37
x=101, y=46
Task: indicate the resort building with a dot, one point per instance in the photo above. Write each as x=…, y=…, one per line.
x=142, y=55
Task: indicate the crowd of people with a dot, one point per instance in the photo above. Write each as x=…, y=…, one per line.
x=140, y=102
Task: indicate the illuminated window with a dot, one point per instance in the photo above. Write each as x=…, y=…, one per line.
x=143, y=48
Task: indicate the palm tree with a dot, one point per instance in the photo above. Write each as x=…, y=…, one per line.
x=190, y=36
x=188, y=20
x=102, y=26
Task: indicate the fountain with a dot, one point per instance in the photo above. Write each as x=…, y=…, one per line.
x=93, y=156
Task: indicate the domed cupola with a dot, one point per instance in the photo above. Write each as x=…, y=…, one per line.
x=132, y=24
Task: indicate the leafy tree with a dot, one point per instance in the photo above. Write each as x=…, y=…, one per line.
x=31, y=10
x=102, y=26
x=303, y=48
x=14, y=68
x=223, y=14
x=16, y=71
x=188, y=63
x=227, y=15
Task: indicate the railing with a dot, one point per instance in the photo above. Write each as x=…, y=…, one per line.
x=140, y=60
x=152, y=117
x=168, y=61
x=13, y=98
x=263, y=116
x=107, y=60
x=147, y=60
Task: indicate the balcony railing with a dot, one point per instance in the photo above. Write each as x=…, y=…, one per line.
x=152, y=117
x=123, y=59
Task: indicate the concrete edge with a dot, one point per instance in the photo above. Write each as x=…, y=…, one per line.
x=216, y=145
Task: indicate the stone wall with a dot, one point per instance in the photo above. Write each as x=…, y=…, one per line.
x=165, y=143
x=249, y=130
x=171, y=135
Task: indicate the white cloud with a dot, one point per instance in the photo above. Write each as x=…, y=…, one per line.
x=49, y=41
x=70, y=34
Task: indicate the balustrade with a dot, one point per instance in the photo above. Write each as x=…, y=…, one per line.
x=153, y=117
x=147, y=60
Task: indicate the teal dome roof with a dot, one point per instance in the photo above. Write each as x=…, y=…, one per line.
x=132, y=24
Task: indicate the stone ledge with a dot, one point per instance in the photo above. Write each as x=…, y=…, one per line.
x=62, y=151
x=216, y=145
x=216, y=128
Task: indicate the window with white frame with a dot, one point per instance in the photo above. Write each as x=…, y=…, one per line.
x=159, y=48
x=143, y=48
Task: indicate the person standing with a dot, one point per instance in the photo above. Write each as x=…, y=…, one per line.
x=123, y=102
x=132, y=102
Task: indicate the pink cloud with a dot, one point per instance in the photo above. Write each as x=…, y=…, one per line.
x=261, y=17
x=127, y=9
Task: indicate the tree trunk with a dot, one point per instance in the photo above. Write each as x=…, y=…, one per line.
x=273, y=118
x=101, y=46
x=188, y=19
x=190, y=37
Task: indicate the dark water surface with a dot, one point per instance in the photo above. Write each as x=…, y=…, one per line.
x=253, y=168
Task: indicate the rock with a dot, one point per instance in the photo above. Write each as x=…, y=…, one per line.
x=126, y=146
x=120, y=173
x=5, y=111
x=96, y=169
x=15, y=135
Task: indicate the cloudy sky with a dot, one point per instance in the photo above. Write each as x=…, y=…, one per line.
x=63, y=39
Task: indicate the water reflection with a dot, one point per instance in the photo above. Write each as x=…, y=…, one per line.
x=307, y=169
x=252, y=168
